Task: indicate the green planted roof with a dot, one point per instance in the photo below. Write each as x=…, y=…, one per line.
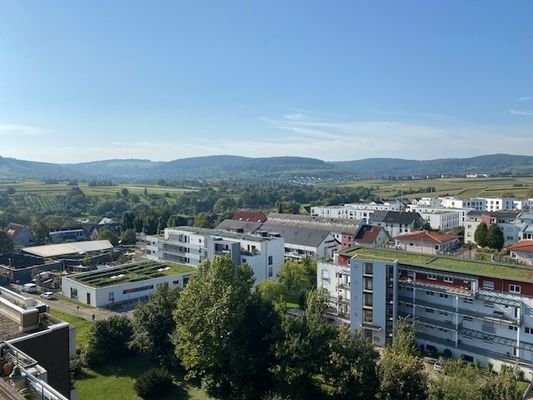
x=131, y=273
x=451, y=264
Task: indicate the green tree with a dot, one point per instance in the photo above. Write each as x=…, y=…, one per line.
x=481, y=234
x=502, y=387
x=401, y=371
x=201, y=221
x=153, y=325
x=272, y=290
x=139, y=224
x=295, y=277
x=108, y=339
x=150, y=223
x=223, y=331
x=351, y=370
x=108, y=234
x=495, y=239
x=459, y=382
x=128, y=221
x=6, y=243
x=124, y=192
x=176, y=220
x=304, y=349
x=128, y=237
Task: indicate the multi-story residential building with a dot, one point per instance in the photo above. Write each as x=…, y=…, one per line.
x=425, y=242
x=357, y=211
x=507, y=221
x=38, y=344
x=525, y=220
x=479, y=311
x=124, y=283
x=263, y=252
x=426, y=202
x=74, y=234
x=440, y=218
x=472, y=204
x=369, y=236
x=396, y=222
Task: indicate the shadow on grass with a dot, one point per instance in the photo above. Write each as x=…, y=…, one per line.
x=133, y=366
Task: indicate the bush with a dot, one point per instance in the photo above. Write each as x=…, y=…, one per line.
x=447, y=353
x=153, y=383
x=109, y=338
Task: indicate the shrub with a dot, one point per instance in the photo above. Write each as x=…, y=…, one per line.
x=447, y=353
x=109, y=338
x=154, y=383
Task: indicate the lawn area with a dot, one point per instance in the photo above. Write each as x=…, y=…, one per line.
x=115, y=382
x=82, y=326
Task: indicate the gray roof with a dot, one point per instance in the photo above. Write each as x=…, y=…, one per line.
x=55, y=250
x=302, y=235
x=307, y=219
x=235, y=225
x=394, y=217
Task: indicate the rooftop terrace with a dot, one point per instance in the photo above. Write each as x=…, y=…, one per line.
x=130, y=273
x=451, y=264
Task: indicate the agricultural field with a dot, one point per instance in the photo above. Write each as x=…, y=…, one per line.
x=521, y=187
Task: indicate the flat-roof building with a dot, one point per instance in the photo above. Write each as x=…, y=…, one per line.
x=124, y=283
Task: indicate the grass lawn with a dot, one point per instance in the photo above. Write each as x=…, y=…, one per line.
x=82, y=326
x=115, y=382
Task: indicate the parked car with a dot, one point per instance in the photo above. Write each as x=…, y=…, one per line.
x=29, y=288
x=48, y=295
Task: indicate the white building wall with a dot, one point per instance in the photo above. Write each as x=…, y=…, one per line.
x=100, y=296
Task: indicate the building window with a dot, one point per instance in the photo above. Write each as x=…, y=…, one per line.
x=270, y=272
x=514, y=288
x=111, y=297
x=528, y=330
x=448, y=279
x=368, y=300
x=469, y=319
x=137, y=289
x=368, y=269
x=429, y=310
x=488, y=285
x=73, y=293
x=325, y=275
x=368, y=284
x=445, y=296
x=432, y=277
x=430, y=293
x=468, y=301
x=512, y=328
x=367, y=316
x=270, y=260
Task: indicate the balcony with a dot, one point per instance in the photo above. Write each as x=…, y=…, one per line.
x=437, y=287
x=26, y=372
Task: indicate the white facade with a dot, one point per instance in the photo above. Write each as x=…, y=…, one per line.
x=356, y=211
x=439, y=218
x=192, y=246
x=461, y=313
x=101, y=296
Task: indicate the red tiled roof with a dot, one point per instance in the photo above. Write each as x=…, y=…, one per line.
x=433, y=237
x=523, y=245
x=14, y=229
x=249, y=215
x=367, y=234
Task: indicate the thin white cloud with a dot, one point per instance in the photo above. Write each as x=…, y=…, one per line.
x=525, y=98
x=17, y=129
x=294, y=116
x=527, y=113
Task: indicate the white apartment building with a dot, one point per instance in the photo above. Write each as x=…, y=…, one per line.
x=356, y=211
x=440, y=218
x=485, y=316
x=472, y=204
x=507, y=221
x=192, y=246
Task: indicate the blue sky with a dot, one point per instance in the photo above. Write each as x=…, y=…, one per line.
x=336, y=80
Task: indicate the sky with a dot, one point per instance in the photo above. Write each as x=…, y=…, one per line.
x=335, y=80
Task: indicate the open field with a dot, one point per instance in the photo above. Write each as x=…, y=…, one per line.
x=460, y=187
x=38, y=187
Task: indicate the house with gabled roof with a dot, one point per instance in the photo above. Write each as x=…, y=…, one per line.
x=397, y=222
x=369, y=236
x=426, y=242
x=522, y=251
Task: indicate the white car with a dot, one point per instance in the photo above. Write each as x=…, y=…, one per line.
x=48, y=295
